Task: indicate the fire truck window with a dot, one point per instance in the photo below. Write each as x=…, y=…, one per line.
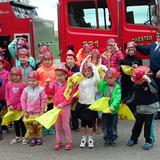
x=141, y=12
x=103, y=15
x=90, y=17
x=82, y=14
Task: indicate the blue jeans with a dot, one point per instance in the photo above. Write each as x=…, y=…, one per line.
x=110, y=127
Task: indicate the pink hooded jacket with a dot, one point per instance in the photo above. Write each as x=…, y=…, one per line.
x=56, y=89
x=33, y=100
x=13, y=93
x=4, y=77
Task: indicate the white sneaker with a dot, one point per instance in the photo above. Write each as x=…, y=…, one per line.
x=90, y=143
x=83, y=143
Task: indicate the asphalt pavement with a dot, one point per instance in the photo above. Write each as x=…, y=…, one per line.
x=46, y=152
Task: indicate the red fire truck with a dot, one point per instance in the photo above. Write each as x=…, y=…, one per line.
x=21, y=20
x=94, y=21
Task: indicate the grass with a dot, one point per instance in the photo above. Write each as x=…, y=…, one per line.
x=56, y=47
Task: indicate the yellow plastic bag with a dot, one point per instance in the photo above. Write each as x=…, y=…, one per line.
x=101, y=105
x=49, y=118
x=72, y=85
x=34, y=129
x=128, y=70
x=125, y=113
x=11, y=116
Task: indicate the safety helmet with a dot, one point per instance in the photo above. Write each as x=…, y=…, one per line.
x=62, y=68
x=110, y=41
x=112, y=72
x=43, y=49
x=16, y=70
x=139, y=72
x=21, y=43
x=47, y=55
x=95, y=53
x=34, y=75
x=70, y=53
x=130, y=45
x=23, y=51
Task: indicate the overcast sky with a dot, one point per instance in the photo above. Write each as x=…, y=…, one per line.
x=47, y=9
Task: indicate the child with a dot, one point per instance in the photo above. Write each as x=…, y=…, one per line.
x=57, y=89
x=113, y=56
x=0, y=116
x=126, y=83
x=42, y=50
x=72, y=68
x=23, y=56
x=6, y=59
x=87, y=93
x=70, y=62
x=13, y=93
x=47, y=74
x=47, y=70
x=33, y=102
x=4, y=78
x=96, y=60
x=146, y=97
x=83, y=53
x=108, y=87
x=15, y=45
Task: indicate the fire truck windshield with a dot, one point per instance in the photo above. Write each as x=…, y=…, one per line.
x=147, y=8
x=88, y=14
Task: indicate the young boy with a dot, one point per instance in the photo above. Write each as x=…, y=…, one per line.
x=108, y=87
x=146, y=97
x=72, y=68
x=70, y=62
x=23, y=57
x=126, y=83
x=15, y=45
x=42, y=50
x=47, y=74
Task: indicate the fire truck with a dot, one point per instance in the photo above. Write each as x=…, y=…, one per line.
x=21, y=20
x=94, y=21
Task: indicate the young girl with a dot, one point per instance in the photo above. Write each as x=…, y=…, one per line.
x=108, y=87
x=57, y=89
x=113, y=56
x=87, y=93
x=4, y=78
x=13, y=93
x=96, y=60
x=33, y=102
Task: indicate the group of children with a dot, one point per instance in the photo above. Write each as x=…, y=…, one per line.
x=24, y=89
